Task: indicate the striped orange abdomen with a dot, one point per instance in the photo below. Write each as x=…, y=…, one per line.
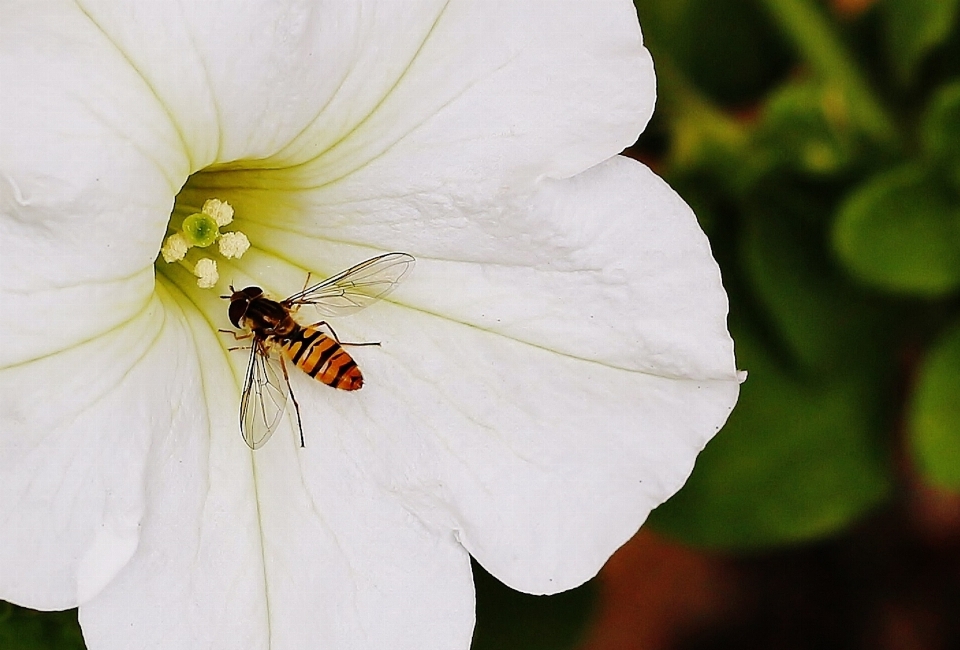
x=321, y=357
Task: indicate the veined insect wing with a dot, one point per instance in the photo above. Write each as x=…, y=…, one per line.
x=264, y=396
x=357, y=287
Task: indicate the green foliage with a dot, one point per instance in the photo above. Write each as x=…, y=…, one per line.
x=935, y=416
x=818, y=41
x=900, y=230
x=914, y=27
x=820, y=320
x=806, y=126
x=717, y=44
x=25, y=629
x=940, y=131
x=829, y=203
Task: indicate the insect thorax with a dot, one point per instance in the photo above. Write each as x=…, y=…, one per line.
x=268, y=317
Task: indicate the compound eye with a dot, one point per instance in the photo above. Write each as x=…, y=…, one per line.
x=237, y=310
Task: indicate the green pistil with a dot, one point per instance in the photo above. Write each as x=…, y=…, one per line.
x=200, y=229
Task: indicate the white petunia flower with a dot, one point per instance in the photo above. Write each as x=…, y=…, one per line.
x=546, y=376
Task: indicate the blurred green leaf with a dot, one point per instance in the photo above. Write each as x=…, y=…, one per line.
x=26, y=629
x=940, y=129
x=717, y=45
x=935, y=414
x=706, y=140
x=510, y=620
x=901, y=231
x=806, y=126
x=798, y=459
x=914, y=27
x=824, y=322
x=816, y=38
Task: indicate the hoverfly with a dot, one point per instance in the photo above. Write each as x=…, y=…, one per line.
x=278, y=337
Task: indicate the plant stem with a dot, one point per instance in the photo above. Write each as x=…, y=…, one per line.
x=819, y=44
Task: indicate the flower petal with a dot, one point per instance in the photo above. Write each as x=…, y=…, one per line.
x=496, y=92
x=489, y=97
x=85, y=190
x=75, y=427
x=301, y=552
x=609, y=266
x=543, y=403
x=332, y=85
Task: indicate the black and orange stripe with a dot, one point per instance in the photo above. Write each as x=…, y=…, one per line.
x=321, y=357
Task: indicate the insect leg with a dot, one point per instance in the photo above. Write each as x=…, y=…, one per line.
x=238, y=337
x=336, y=338
x=296, y=404
x=294, y=306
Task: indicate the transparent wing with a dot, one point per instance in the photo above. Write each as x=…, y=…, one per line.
x=355, y=288
x=264, y=396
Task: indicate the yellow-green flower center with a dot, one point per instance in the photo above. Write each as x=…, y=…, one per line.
x=200, y=230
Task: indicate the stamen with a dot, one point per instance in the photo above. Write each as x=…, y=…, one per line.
x=221, y=211
x=233, y=244
x=174, y=248
x=206, y=272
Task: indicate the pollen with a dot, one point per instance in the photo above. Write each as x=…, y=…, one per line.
x=206, y=272
x=233, y=244
x=221, y=211
x=174, y=248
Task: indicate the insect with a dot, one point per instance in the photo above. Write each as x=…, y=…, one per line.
x=278, y=338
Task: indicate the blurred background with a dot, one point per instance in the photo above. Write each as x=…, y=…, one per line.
x=819, y=143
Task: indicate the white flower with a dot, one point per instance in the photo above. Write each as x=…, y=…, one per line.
x=546, y=375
